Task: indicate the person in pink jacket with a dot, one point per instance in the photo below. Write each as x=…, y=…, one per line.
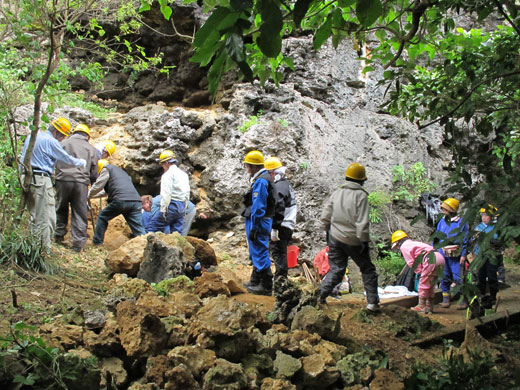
x=426, y=268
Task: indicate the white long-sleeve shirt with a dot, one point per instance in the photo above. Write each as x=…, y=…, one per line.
x=175, y=185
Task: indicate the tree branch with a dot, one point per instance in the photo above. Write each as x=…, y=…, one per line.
x=468, y=96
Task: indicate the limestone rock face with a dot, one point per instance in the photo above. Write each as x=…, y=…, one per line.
x=165, y=257
x=128, y=257
x=141, y=332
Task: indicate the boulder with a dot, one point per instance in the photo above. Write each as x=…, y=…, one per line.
x=157, y=304
x=61, y=335
x=315, y=321
x=231, y=280
x=107, y=342
x=113, y=372
x=197, y=359
x=225, y=376
x=180, y=378
x=203, y=251
x=187, y=304
x=94, y=319
x=286, y=366
x=165, y=257
x=122, y=288
x=277, y=384
x=141, y=332
x=128, y=257
x=317, y=373
x=210, y=285
x=156, y=368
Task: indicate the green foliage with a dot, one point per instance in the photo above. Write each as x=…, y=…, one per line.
x=37, y=365
x=389, y=264
x=283, y=122
x=379, y=202
x=410, y=184
x=253, y=120
x=454, y=372
x=304, y=165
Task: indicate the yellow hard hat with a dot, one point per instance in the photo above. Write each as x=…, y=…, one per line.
x=62, y=125
x=272, y=163
x=254, y=157
x=451, y=205
x=397, y=236
x=110, y=147
x=356, y=171
x=83, y=128
x=167, y=155
x=100, y=164
x=489, y=210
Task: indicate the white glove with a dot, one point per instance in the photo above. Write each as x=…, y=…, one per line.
x=83, y=163
x=274, y=235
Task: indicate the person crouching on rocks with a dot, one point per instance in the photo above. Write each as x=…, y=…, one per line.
x=426, y=268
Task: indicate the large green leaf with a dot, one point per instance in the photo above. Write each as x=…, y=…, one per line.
x=367, y=11
x=215, y=72
x=323, y=33
x=300, y=9
x=210, y=26
x=235, y=47
x=269, y=44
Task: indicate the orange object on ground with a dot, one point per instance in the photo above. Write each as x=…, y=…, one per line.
x=292, y=256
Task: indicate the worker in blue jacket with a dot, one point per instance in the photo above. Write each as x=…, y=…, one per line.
x=452, y=225
x=40, y=198
x=258, y=211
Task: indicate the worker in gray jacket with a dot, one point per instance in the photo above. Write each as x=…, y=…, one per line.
x=346, y=222
x=72, y=188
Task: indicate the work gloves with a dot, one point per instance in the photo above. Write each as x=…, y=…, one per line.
x=83, y=163
x=274, y=235
x=164, y=214
x=253, y=235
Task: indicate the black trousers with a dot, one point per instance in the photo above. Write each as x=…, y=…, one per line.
x=339, y=254
x=488, y=272
x=279, y=251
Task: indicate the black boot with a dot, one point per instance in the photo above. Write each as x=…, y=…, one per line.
x=254, y=280
x=265, y=287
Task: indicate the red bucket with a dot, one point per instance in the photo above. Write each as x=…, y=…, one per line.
x=292, y=256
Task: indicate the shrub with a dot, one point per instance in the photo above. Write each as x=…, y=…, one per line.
x=453, y=372
x=389, y=265
x=379, y=202
x=27, y=360
x=412, y=183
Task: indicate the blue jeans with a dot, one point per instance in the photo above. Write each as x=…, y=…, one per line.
x=130, y=209
x=173, y=222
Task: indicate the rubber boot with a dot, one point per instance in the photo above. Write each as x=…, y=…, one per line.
x=420, y=306
x=445, y=300
x=265, y=287
x=428, y=306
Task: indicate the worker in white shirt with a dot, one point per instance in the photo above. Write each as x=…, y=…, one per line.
x=175, y=194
